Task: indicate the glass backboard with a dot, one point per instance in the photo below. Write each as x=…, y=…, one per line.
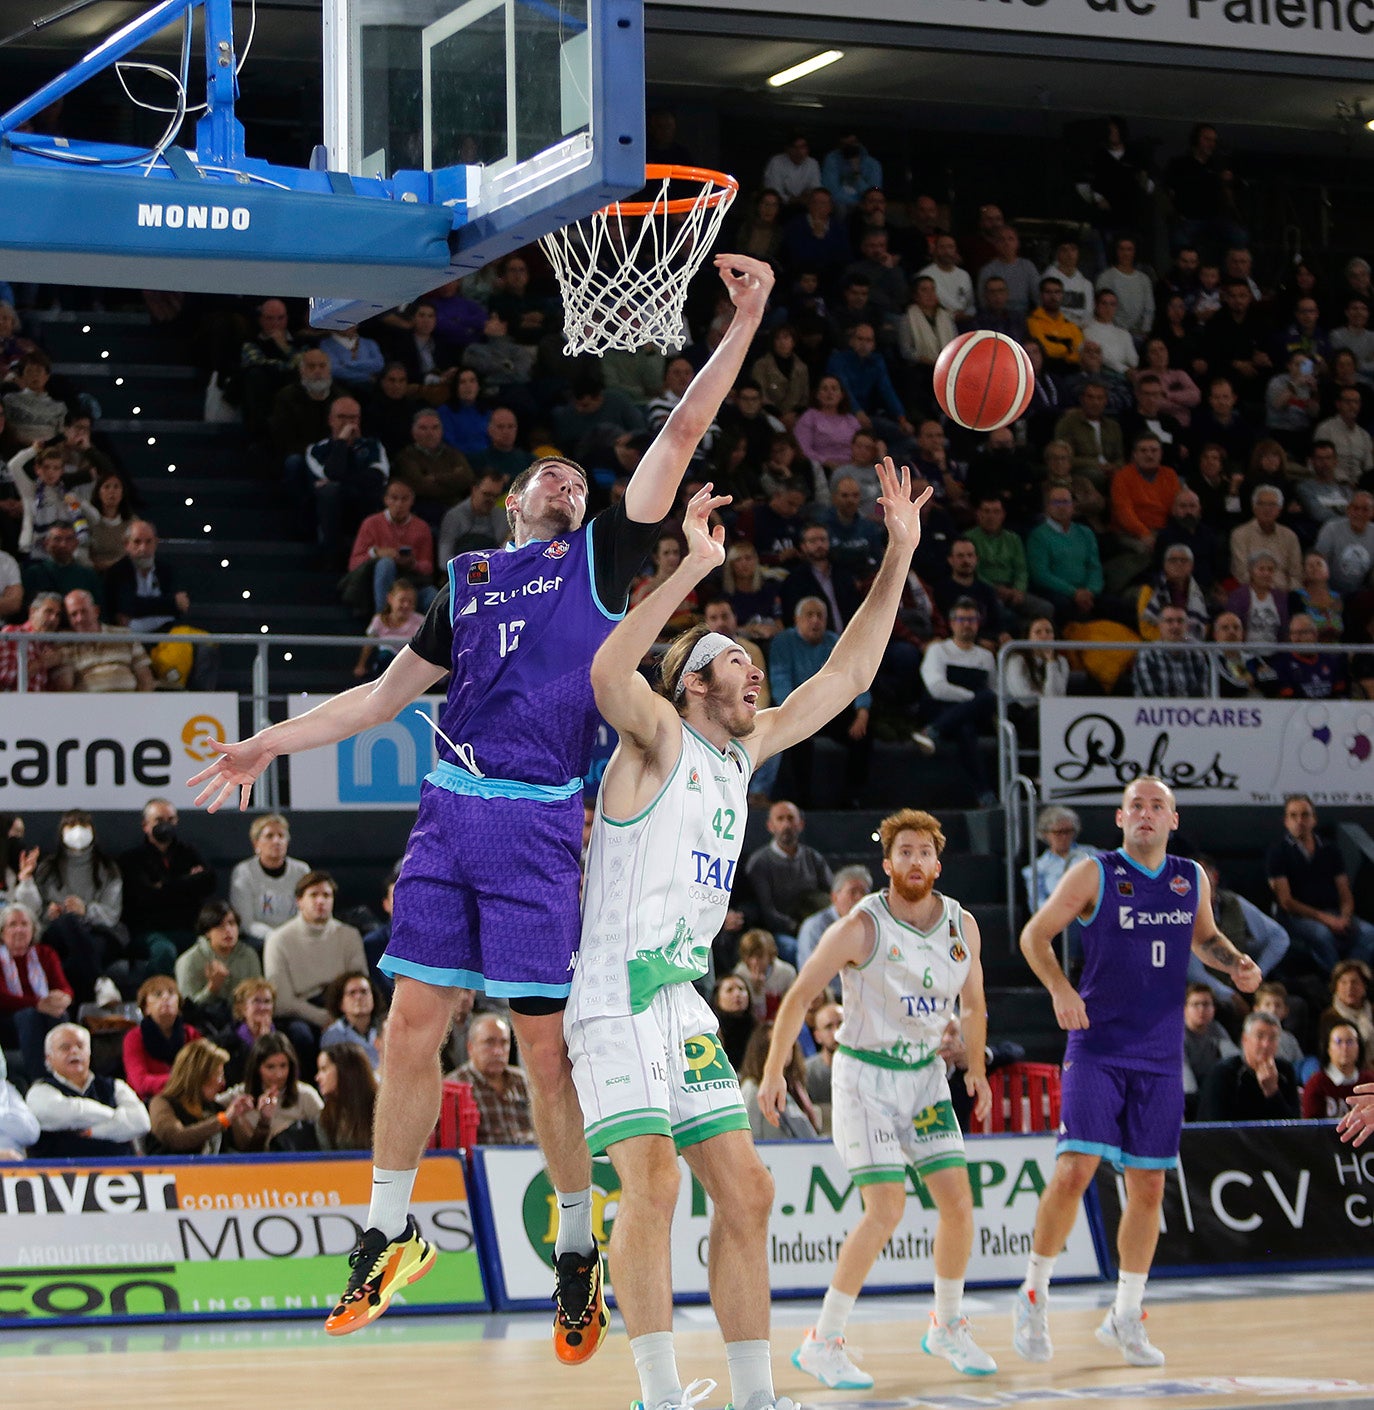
x=509, y=105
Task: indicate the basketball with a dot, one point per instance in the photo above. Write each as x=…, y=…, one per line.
x=983, y=380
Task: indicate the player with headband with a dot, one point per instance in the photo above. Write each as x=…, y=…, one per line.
x=651, y=1075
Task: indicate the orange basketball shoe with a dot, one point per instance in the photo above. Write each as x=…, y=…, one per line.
x=580, y=1318
x=381, y=1268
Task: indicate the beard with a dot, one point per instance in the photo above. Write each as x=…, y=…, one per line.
x=730, y=711
x=912, y=891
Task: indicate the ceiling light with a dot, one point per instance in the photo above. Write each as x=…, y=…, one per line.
x=818, y=61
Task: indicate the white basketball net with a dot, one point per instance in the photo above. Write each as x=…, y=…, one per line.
x=624, y=276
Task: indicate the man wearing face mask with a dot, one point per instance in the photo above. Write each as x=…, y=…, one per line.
x=166, y=880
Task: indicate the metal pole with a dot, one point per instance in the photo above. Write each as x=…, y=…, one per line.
x=21, y=661
x=265, y=791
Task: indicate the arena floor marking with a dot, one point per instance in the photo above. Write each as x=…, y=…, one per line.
x=1278, y=1342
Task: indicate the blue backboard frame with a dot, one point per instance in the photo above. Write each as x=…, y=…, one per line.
x=368, y=243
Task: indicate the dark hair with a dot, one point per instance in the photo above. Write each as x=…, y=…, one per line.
x=269, y=1045
x=1331, y=1020
x=215, y=912
x=347, y=1116
x=315, y=878
x=334, y=992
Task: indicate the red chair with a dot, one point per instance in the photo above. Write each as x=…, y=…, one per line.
x=458, y=1119
x=1025, y=1097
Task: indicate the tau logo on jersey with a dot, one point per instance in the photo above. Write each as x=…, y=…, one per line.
x=714, y=871
x=1125, y=917
x=479, y=573
x=694, y=782
x=1125, y=888
x=1180, y=886
x=556, y=549
x=957, y=952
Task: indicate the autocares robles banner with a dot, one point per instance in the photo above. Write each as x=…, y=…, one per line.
x=211, y=1238
x=1209, y=751
x=814, y=1208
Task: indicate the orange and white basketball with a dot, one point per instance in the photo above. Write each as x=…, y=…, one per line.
x=984, y=380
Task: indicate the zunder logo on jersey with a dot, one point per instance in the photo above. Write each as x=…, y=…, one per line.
x=1125, y=917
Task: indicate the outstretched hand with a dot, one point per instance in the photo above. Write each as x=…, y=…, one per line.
x=748, y=280
x=237, y=766
x=901, y=513
x=705, y=545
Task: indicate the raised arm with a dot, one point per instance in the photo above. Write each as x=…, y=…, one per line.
x=623, y=696
x=1076, y=894
x=238, y=765
x=859, y=652
x=1214, y=949
x=847, y=941
x=653, y=487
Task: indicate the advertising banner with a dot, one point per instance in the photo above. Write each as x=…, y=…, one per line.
x=1209, y=751
x=1335, y=28
x=383, y=767
x=107, y=751
x=815, y=1207
x=1247, y=1196
x=212, y=1238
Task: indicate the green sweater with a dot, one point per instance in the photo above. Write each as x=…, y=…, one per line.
x=1062, y=563
x=1001, y=559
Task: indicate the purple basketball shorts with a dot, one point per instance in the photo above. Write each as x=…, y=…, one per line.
x=488, y=896
x=1129, y=1117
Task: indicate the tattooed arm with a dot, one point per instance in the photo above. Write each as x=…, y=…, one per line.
x=1214, y=949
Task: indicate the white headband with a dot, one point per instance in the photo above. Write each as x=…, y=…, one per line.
x=703, y=653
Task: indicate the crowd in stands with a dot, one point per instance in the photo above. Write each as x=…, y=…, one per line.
x=1196, y=464
x=142, y=1010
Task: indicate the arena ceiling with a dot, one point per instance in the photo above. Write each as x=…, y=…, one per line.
x=984, y=87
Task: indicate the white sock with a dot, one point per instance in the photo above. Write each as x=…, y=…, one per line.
x=390, y=1204
x=1130, y=1293
x=949, y=1300
x=1039, y=1271
x=575, y=1223
x=656, y=1363
x=751, y=1375
x=835, y=1312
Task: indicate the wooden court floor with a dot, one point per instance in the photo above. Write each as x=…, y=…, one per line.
x=1279, y=1345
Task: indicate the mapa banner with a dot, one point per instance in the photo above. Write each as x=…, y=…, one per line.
x=107, y=751
x=815, y=1206
x=383, y=767
x=1255, y=1195
x=212, y=1238
x=1208, y=751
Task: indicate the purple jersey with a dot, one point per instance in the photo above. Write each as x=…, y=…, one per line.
x=1136, y=947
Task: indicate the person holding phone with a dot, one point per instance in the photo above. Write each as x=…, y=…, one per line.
x=399, y=544
x=1292, y=403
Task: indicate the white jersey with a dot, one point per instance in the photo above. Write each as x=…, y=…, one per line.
x=657, y=886
x=898, y=1003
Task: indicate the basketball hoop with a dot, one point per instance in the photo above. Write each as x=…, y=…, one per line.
x=624, y=271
